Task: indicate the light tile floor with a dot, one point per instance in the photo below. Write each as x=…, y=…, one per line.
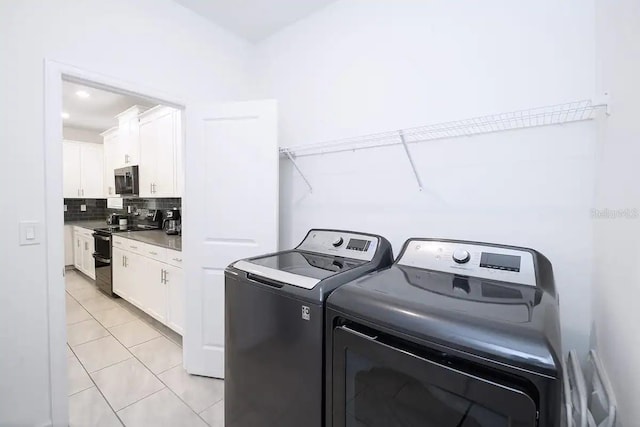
x=126, y=369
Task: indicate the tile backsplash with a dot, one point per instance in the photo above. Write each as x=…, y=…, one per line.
x=97, y=208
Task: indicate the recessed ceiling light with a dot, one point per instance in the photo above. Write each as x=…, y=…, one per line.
x=82, y=94
x=65, y=115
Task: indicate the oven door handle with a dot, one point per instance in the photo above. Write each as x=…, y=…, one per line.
x=101, y=237
x=97, y=257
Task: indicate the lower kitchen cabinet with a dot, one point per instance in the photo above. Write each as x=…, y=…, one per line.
x=155, y=301
x=155, y=287
x=174, y=279
x=83, y=248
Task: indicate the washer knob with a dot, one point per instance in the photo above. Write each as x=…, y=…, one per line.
x=461, y=256
x=337, y=242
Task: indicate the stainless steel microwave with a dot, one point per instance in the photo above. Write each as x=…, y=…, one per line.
x=126, y=180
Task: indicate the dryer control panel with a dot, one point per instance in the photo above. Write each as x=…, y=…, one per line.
x=471, y=259
x=339, y=243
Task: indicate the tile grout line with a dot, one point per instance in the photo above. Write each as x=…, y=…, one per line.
x=152, y=373
x=98, y=389
x=91, y=378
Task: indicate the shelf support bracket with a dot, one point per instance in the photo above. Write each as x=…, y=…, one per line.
x=295, y=165
x=413, y=166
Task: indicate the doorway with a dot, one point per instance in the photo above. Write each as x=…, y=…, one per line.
x=114, y=335
x=217, y=228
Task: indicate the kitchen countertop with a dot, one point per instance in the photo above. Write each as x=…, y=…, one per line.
x=90, y=224
x=154, y=237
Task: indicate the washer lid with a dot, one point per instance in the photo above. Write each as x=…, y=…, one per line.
x=297, y=268
x=513, y=323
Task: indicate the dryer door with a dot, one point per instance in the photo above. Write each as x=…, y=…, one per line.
x=377, y=383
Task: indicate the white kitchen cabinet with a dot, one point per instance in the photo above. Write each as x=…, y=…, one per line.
x=91, y=167
x=128, y=276
x=68, y=245
x=129, y=137
x=83, y=249
x=111, y=155
x=71, y=169
x=82, y=166
x=174, y=281
x=151, y=278
x=155, y=290
x=121, y=278
x=160, y=139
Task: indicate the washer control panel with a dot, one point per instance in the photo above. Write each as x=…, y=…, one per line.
x=339, y=243
x=470, y=259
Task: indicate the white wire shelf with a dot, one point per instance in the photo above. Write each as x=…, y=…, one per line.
x=534, y=117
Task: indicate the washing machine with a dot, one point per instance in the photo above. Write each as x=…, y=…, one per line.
x=274, y=330
x=454, y=334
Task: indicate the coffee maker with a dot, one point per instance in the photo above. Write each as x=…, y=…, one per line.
x=171, y=223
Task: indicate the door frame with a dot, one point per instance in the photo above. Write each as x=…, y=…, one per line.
x=54, y=74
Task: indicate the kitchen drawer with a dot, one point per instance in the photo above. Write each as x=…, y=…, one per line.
x=119, y=242
x=174, y=258
x=83, y=231
x=155, y=252
x=134, y=246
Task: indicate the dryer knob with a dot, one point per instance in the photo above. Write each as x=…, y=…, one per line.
x=337, y=242
x=461, y=256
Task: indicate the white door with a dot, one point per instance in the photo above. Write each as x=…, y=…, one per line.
x=71, y=169
x=92, y=170
x=230, y=212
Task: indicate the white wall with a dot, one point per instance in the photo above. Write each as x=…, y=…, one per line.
x=153, y=42
x=359, y=66
x=617, y=241
x=84, y=135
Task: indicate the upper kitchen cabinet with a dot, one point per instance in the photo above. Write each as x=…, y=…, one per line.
x=160, y=152
x=82, y=162
x=112, y=153
x=128, y=137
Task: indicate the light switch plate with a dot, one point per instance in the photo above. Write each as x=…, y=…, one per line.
x=65, y=208
x=30, y=233
x=83, y=208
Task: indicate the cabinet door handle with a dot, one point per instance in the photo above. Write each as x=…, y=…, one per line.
x=166, y=273
x=126, y=261
x=178, y=259
x=78, y=243
x=133, y=247
x=86, y=246
x=83, y=191
x=153, y=253
x=161, y=276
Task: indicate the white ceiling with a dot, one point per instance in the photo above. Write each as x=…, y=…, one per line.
x=254, y=20
x=97, y=112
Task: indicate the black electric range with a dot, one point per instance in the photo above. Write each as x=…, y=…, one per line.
x=103, y=246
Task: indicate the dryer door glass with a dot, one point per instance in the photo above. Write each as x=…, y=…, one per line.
x=375, y=384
